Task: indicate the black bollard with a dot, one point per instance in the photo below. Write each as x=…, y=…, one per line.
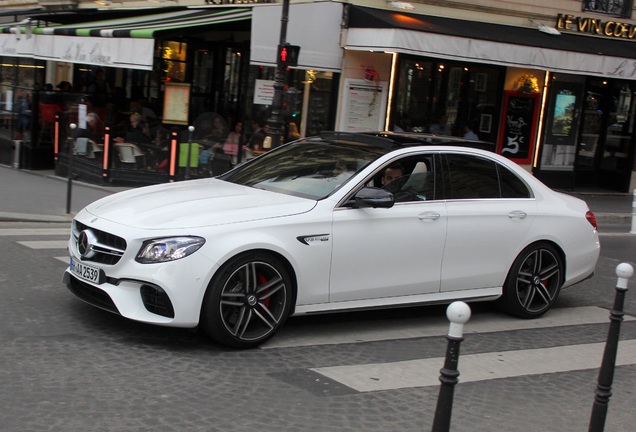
x=187, y=170
x=69, y=185
x=458, y=314
x=603, y=390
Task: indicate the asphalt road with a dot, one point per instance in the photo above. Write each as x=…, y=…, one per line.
x=66, y=366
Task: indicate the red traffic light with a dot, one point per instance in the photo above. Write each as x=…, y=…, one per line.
x=288, y=54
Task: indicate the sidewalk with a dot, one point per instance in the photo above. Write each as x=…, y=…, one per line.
x=40, y=196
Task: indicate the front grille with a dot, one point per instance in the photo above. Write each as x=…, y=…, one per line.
x=156, y=300
x=110, y=248
x=91, y=295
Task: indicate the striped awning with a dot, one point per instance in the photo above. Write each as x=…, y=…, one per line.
x=126, y=42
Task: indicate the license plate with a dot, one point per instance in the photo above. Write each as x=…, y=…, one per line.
x=84, y=271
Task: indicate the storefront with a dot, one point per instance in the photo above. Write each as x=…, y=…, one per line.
x=179, y=67
x=558, y=102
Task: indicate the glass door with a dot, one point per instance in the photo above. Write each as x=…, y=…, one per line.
x=591, y=138
x=615, y=159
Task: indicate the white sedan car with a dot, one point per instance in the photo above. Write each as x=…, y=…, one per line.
x=315, y=226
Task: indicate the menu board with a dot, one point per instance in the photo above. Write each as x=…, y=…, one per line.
x=519, y=116
x=364, y=106
x=176, y=103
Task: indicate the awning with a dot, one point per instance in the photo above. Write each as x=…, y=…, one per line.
x=452, y=39
x=123, y=42
x=315, y=27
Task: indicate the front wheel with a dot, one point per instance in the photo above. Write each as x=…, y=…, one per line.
x=247, y=301
x=534, y=281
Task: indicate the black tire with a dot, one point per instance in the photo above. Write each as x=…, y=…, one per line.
x=534, y=281
x=247, y=301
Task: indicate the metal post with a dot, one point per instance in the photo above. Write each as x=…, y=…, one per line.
x=603, y=390
x=69, y=185
x=187, y=171
x=173, y=154
x=106, y=156
x=633, y=231
x=458, y=314
x=275, y=122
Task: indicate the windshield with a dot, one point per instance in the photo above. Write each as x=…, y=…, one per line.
x=308, y=168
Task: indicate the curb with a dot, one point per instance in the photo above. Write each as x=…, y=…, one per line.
x=27, y=217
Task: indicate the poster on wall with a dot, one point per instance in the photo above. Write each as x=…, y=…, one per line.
x=519, y=117
x=364, y=106
x=176, y=103
x=263, y=92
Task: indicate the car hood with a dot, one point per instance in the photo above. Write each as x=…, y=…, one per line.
x=195, y=203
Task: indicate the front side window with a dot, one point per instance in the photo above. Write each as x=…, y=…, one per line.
x=409, y=179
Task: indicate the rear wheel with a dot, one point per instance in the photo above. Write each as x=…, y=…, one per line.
x=534, y=281
x=248, y=301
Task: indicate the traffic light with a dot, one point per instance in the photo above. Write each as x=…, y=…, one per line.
x=291, y=103
x=288, y=54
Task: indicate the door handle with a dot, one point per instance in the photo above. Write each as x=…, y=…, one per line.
x=517, y=214
x=428, y=216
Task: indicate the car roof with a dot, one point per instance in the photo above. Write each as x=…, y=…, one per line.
x=394, y=140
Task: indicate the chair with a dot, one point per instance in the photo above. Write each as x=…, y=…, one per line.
x=220, y=164
x=47, y=117
x=81, y=146
x=248, y=154
x=130, y=154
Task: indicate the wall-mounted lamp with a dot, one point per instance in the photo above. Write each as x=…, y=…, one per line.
x=103, y=2
x=546, y=29
x=549, y=30
x=401, y=4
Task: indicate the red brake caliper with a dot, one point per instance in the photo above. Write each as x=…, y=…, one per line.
x=262, y=280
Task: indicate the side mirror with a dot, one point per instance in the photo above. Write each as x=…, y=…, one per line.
x=374, y=197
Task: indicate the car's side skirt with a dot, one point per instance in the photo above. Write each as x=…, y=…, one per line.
x=483, y=294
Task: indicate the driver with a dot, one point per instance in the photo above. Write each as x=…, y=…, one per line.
x=391, y=173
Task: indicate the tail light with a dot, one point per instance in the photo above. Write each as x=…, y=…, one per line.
x=591, y=219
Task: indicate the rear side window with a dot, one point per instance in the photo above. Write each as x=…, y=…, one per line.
x=472, y=177
x=511, y=185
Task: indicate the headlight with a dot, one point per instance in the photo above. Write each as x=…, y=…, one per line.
x=168, y=249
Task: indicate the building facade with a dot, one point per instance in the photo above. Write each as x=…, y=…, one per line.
x=551, y=83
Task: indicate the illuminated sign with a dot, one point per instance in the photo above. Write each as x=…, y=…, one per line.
x=288, y=54
x=596, y=26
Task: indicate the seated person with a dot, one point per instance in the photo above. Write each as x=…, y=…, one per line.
x=137, y=133
x=392, y=173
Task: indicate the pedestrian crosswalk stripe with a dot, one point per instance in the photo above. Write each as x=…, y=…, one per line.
x=426, y=326
x=477, y=367
x=34, y=231
x=45, y=244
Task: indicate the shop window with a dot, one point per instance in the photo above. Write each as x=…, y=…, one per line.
x=618, y=8
x=412, y=101
x=443, y=97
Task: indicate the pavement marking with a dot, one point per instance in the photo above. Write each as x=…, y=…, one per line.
x=425, y=326
x=477, y=367
x=34, y=231
x=45, y=244
x=64, y=259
